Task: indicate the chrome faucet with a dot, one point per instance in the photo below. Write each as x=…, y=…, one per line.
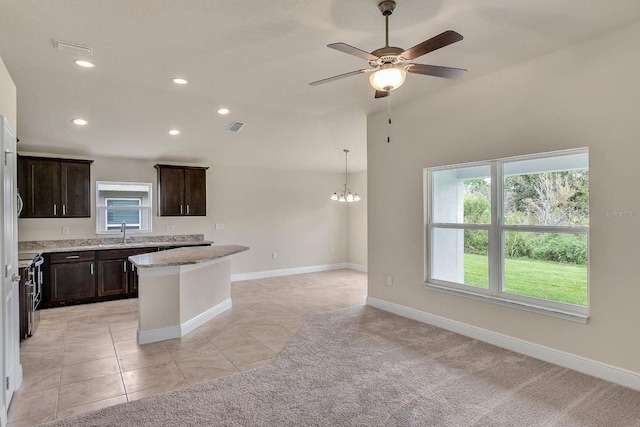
x=123, y=229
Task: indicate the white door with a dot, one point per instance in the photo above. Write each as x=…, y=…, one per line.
x=10, y=277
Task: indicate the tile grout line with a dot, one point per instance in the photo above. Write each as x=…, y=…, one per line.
x=64, y=343
x=175, y=363
x=113, y=344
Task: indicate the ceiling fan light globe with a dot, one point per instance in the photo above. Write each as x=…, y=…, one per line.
x=387, y=79
x=356, y=198
x=342, y=199
x=334, y=196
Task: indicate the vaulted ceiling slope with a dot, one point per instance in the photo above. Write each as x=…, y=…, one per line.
x=256, y=58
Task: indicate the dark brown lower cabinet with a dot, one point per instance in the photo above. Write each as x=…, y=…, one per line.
x=73, y=281
x=112, y=277
x=133, y=279
x=90, y=276
x=116, y=275
x=25, y=304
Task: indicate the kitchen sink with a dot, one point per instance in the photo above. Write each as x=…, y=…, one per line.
x=119, y=245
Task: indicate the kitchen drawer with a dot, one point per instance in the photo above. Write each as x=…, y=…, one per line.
x=124, y=253
x=72, y=256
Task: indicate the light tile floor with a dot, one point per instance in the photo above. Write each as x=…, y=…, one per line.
x=85, y=357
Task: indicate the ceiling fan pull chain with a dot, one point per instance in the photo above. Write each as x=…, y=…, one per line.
x=389, y=117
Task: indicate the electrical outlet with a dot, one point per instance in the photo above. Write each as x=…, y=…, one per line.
x=389, y=281
x=274, y=255
x=219, y=226
x=65, y=230
x=170, y=227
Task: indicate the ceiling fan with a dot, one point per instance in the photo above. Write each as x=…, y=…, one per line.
x=389, y=65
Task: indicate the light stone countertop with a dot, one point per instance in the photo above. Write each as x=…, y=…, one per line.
x=185, y=256
x=54, y=246
x=24, y=263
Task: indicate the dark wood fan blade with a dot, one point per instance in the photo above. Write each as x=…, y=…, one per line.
x=381, y=94
x=434, y=70
x=340, y=76
x=434, y=43
x=347, y=48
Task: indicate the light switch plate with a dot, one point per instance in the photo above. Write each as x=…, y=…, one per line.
x=219, y=226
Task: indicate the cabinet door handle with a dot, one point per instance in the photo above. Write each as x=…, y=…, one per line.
x=64, y=210
x=55, y=210
x=187, y=209
x=180, y=209
x=92, y=269
x=124, y=266
x=73, y=256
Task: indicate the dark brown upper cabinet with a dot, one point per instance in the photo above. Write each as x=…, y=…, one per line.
x=54, y=188
x=182, y=190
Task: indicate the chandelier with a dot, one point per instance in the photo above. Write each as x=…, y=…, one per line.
x=345, y=194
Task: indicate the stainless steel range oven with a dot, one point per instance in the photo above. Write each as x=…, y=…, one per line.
x=32, y=283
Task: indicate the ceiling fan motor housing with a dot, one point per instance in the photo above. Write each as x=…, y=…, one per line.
x=387, y=55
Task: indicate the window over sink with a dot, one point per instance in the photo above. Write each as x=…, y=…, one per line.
x=123, y=202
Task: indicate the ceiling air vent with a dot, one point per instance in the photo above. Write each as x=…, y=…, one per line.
x=236, y=127
x=72, y=47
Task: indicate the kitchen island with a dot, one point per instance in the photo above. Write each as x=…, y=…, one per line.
x=181, y=289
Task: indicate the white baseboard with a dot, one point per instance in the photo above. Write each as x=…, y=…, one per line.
x=171, y=332
x=358, y=267
x=288, y=271
x=587, y=366
x=203, y=318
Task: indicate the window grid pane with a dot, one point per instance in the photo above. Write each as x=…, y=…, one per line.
x=462, y=195
x=460, y=256
x=549, y=266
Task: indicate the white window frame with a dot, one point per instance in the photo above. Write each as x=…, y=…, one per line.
x=112, y=208
x=118, y=190
x=496, y=230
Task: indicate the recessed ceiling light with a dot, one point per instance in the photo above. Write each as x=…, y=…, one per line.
x=223, y=111
x=85, y=64
x=80, y=122
x=174, y=132
x=179, y=81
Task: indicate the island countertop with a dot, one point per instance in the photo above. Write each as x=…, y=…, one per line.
x=185, y=256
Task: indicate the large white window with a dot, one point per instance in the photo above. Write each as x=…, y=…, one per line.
x=513, y=231
x=120, y=203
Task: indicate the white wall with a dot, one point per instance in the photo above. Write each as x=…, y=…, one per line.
x=358, y=221
x=287, y=212
x=583, y=96
x=8, y=100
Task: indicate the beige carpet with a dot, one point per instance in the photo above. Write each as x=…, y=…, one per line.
x=365, y=367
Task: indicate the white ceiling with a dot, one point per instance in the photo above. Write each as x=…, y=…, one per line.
x=256, y=58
